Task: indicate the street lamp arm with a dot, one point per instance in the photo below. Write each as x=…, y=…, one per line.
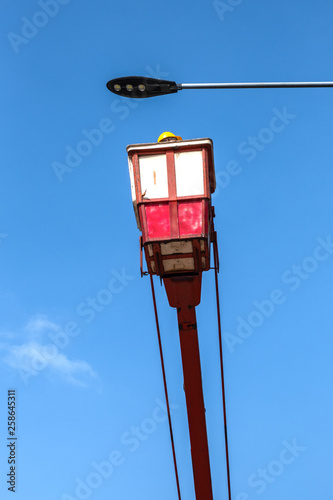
x=252, y=85
x=141, y=87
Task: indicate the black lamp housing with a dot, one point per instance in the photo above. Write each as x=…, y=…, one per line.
x=141, y=87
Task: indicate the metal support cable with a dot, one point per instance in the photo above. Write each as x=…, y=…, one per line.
x=216, y=266
x=165, y=385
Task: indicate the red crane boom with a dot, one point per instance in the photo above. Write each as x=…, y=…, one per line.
x=184, y=294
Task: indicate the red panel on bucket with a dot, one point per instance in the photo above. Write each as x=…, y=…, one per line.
x=158, y=220
x=190, y=218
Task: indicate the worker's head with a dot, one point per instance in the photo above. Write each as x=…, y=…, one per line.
x=168, y=137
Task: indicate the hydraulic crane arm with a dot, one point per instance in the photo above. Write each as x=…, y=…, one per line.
x=184, y=294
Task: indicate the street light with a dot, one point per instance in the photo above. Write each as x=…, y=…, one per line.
x=141, y=87
x=171, y=184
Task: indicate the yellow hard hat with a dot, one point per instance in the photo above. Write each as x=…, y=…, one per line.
x=166, y=135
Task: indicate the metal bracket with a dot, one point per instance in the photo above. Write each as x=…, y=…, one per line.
x=213, y=240
x=216, y=252
x=142, y=272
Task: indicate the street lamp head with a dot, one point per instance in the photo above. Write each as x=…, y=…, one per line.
x=141, y=87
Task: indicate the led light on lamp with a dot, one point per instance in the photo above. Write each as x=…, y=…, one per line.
x=117, y=87
x=142, y=87
x=129, y=87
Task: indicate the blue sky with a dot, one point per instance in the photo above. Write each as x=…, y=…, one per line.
x=90, y=401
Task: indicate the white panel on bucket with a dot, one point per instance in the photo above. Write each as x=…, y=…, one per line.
x=130, y=166
x=189, y=173
x=131, y=173
x=186, y=264
x=154, y=176
x=183, y=246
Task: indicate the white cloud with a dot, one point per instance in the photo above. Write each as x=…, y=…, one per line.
x=34, y=356
x=39, y=325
